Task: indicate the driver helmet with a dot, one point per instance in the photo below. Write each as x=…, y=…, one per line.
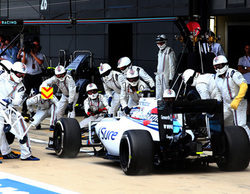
x=123, y=64
x=161, y=41
x=189, y=77
x=220, y=64
x=132, y=77
x=18, y=72
x=105, y=71
x=6, y=65
x=91, y=90
x=169, y=95
x=60, y=73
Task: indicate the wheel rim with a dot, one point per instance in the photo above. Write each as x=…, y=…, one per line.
x=125, y=154
x=59, y=135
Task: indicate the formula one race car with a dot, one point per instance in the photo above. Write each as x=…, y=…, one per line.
x=160, y=132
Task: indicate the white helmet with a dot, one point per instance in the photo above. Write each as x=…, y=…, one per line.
x=169, y=93
x=188, y=76
x=132, y=77
x=161, y=41
x=18, y=72
x=91, y=89
x=105, y=71
x=60, y=72
x=6, y=65
x=123, y=64
x=220, y=64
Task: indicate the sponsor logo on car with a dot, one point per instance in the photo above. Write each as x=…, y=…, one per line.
x=107, y=134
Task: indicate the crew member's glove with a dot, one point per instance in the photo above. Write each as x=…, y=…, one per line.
x=70, y=107
x=90, y=113
x=102, y=109
x=127, y=110
x=6, y=128
x=242, y=92
x=109, y=100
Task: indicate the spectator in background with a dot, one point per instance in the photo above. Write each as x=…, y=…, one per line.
x=244, y=68
x=11, y=52
x=211, y=46
x=33, y=59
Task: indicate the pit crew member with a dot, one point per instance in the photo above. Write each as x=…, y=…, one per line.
x=43, y=109
x=130, y=93
x=112, y=83
x=12, y=92
x=67, y=86
x=204, y=84
x=233, y=88
x=125, y=63
x=95, y=105
x=166, y=66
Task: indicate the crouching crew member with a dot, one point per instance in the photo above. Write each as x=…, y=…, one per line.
x=95, y=106
x=44, y=109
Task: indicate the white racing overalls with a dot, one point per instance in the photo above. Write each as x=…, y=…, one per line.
x=165, y=71
x=43, y=107
x=14, y=93
x=112, y=88
x=95, y=109
x=206, y=86
x=69, y=94
x=129, y=97
x=229, y=88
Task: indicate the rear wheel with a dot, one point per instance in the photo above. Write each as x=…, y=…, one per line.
x=136, y=152
x=67, y=138
x=236, y=149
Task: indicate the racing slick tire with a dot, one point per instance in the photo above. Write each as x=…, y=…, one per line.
x=136, y=152
x=67, y=138
x=236, y=149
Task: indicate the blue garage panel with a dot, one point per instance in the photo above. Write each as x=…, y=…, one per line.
x=181, y=7
x=94, y=43
x=155, y=8
x=63, y=29
x=90, y=29
x=90, y=9
x=121, y=8
x=20, y=9
x=156, y=27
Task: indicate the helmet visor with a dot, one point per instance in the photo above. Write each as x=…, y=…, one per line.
x=105, y=73
x=134, y=79
x=92, y=92
x=60, y=75
x=18, y=74
x=219, y=66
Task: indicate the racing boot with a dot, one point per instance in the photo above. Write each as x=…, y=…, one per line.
x=11, y=155
x=38, y=126
x=31, y=158
x=52, y=127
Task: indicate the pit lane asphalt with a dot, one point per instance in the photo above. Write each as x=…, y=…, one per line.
x=87, y=173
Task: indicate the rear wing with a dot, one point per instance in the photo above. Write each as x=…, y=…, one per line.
x=211, y=109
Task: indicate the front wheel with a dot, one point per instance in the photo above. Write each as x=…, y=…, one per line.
x=136, y=152
x=67, y=138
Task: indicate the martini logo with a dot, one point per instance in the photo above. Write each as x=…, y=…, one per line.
x=47, y=93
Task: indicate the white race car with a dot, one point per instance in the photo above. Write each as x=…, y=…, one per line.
x=159, y=132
